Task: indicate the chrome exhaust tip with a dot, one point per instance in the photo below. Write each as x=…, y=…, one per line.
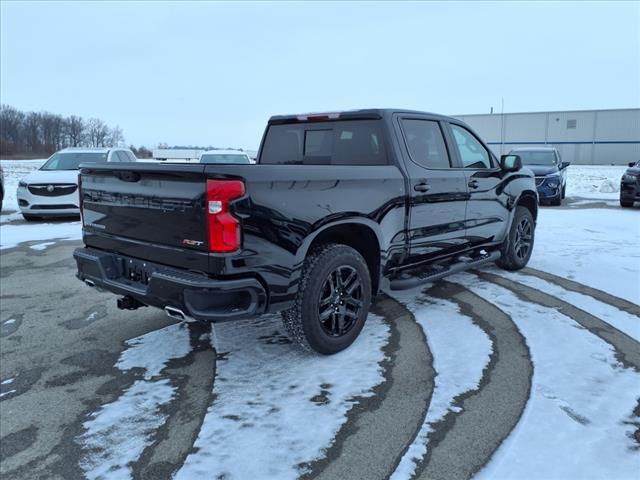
x=177, y=314
x=90, y=283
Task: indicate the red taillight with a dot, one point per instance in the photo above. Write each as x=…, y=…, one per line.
x=224, y=228
x=80, y=196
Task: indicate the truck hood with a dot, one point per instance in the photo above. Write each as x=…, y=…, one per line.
x=542, y=170
x=52, y=176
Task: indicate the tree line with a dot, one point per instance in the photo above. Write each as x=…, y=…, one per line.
x=34, y=134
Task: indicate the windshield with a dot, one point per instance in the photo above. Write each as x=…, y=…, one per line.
x=223, y=158
x=533, y=157
x=72, y=160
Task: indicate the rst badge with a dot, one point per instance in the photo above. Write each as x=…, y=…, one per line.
x=191, y=243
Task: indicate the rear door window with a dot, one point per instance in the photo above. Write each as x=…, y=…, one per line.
x=425, y=143
x=326, y=143
x=122, y=156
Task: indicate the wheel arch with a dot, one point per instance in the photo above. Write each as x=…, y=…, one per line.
x=529, y=200
x=361, y=234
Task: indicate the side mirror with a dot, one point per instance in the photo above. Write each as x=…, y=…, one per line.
x=564, y=165
x=632, y=164
x=510, y=163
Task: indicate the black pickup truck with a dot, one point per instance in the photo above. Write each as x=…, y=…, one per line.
x=338, y=206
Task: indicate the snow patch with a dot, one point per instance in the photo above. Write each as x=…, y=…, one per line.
x=596, y=247
x=623, y=321
x=143, y=351
x=13, y=235
x=278, y=407
x=460, y=352
x=14, y=171
x=578, y=420
x=117, y=434
x=41, y=246
x=589, y=179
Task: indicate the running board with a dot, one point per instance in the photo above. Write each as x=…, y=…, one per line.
x=431, y=276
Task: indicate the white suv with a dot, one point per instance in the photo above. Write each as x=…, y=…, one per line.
x=53, y=189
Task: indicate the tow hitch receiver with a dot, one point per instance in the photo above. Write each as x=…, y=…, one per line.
x=129, y=303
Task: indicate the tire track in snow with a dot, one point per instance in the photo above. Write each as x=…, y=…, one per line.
x=487, y=415
x=625, y=322
x=581, y=417
x=149, y=428
x=380, y=429
x=277, y=408
x=626, y=348
x=461, y=353
x=604, y=297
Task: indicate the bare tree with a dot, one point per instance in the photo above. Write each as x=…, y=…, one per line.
x=33, y=130
x=75, y=129
x=37, y=133
x=97, y=131
x=115, y=138
x=11, y=130
x=52, y=131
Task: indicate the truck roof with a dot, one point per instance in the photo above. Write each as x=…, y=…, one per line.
x=534, y=149
x=224, y=152
x=362, y=114
x=89, y=149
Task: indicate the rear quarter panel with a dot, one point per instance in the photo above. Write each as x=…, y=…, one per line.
x=286, y=206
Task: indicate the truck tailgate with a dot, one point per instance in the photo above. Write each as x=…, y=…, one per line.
x=150, y=211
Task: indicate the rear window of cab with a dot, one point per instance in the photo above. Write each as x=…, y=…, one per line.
x=325, y=143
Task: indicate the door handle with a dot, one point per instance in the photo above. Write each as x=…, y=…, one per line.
x=473, y=184
x=421, y=187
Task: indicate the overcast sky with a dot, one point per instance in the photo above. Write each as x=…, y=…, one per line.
x=212, y=73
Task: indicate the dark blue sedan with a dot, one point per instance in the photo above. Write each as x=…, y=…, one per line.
x=549, y=169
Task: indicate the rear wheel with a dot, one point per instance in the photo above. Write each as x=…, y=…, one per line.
x=517, y=247
x=626, y=203
x=333, y=300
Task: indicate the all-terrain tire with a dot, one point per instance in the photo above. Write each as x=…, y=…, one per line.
x=302, y=321
x=522, y=231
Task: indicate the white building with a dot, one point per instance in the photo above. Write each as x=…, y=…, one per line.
x=588, y=137
x=177, y=154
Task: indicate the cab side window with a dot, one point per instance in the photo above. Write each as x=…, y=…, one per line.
x=472, y=152
x=123, y=156
x=425, y=143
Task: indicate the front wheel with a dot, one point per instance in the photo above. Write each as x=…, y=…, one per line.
x=626, y=203
x=517, y=247
x=30, y=218
x=332, y=302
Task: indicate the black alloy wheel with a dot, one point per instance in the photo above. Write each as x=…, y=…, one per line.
x=340, y=301
x=524, y=237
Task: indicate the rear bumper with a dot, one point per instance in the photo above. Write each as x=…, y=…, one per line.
x=198, y=296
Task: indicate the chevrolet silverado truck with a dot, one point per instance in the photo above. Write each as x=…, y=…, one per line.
x=338, y=207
